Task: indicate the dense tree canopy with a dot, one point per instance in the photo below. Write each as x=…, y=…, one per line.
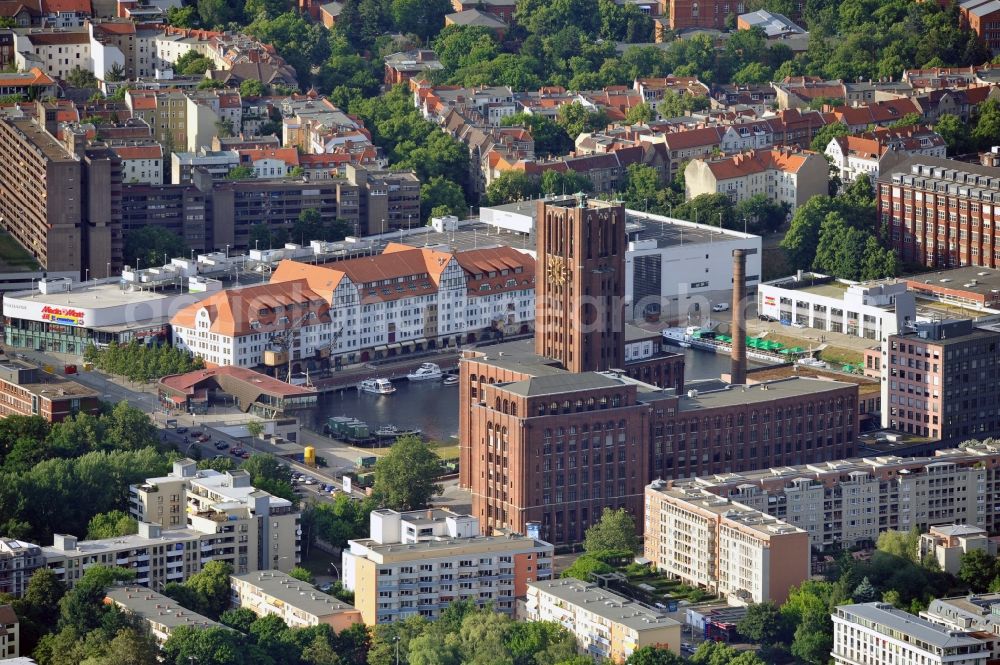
x=152, y=246
x=406, y=477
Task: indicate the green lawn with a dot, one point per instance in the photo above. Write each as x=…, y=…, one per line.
x=444, y=450
x=13, y=257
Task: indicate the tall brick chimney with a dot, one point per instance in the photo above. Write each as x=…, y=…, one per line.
x=738, y=370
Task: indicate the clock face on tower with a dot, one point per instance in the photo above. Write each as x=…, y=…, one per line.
x=555, y=269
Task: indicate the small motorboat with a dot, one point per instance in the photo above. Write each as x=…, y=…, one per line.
x=426, y=372
x=684, y=345
x=450, y=380
x=393, y=432
x=377, y=386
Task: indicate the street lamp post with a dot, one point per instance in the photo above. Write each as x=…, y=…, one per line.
x=108, y=274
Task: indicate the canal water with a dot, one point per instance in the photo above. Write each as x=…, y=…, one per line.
x=433, y=407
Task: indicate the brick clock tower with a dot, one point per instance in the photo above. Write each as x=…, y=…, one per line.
x=580, y=290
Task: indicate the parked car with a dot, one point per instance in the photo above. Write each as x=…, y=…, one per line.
x=244, y=454
x=236, y=451
x=720, y=307
x=767, y=317
x=221, y=445
x=205, y=437
x=309, y=480
x=182, y=430
x=196, y=433
x=796, y=324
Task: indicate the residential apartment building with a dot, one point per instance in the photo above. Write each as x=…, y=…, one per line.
x=299, y=604
x=942, y=213
x=873, y=152
x=879, y=634
x=25, y=390
x=157, y=556
x=41, y=196
x=421, y=561
x=245, y=527
x=605, y=625
x=850, y=502
x=162, y=614
x=712, y=14
x=880, y=114
x=141, y=163
x=983, y=18
x=364, y=309
x=948, y=543
x=941, y=381
x=781, y=175
x=10, y=633
x=32, y=84
x=56, y=51
x=18, y=560
x=233, y=327
x=387, y=200
x=733, y=550
x=401, y=67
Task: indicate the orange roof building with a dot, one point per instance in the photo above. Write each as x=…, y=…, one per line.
x=405, y=299
x=785, y=176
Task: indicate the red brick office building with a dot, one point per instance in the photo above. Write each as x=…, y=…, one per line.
x=942, y=213
x=544, y=445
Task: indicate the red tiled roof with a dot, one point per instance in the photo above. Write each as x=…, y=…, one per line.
x=287, y=155
x=189, y=383
x=757, y=161
x=33, y=77
x=66, y=6
x=138, y=151
x=887, y=111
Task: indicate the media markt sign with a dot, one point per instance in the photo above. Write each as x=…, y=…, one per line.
x=64, y=316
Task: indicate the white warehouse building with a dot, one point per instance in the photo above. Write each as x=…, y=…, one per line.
x=673, y=267
x=868, y=310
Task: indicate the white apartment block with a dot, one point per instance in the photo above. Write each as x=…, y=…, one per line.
x=782, y=175
x=162, y=614
x=605, y=624
x=10, y=634
x=850, y=502
x=879, y=634
x=56, y=52
x=735, y=551
x=157, y=556
x=141, y=163
x=247, y=528
x=299, y=604
x=355, y=310
x=18, y=560
x=421, y=561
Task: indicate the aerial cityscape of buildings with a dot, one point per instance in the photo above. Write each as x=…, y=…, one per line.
x=514, y=331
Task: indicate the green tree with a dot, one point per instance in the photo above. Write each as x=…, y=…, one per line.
x=826, y=134
x=762, y=214
x=207, y=590
x=586, y=566
x=441, y=192
x=241, y=173
x=753, y=72
x=405, y=478
x=182, y=17
x=115, y=73
x=81, y=78
x=865, y=592
x=576, y=119
x=252, y=88
x=300, y=573
x=907, y=120
x=987, y=128
x=650, y=655
x=511, y=186
x=301, y=42
x=423, y=18
x=550, y=138
x=192, y=63
x=977, y=570
x=903, y=544
x=639, y=114
x=564, y=182
x=614, y=531
x=150, y=244
x=239, y=618
x=954, y=132
x=215, y=13
x=677, y=104
x=210, y=646
x=111, y=525
x=710, y=209
x=765, y=624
